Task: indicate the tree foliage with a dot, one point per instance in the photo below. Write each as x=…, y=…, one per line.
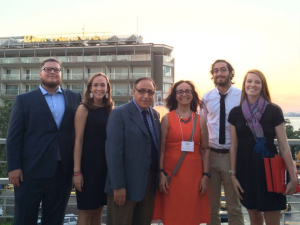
x=291, y=134
x=4, y=118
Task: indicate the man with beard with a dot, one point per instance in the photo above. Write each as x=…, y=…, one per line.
x=39, y=148
x=216, y=105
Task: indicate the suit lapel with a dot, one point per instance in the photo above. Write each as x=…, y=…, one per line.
x=67, y=107
x=43, y=103
x=137, y=118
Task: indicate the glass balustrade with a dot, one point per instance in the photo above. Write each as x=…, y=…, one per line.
x=167, y=58
x=119, y=92
x=9, y=92
x=94, y=58
x=10, y=76
x=117, y=76
x=139, y=75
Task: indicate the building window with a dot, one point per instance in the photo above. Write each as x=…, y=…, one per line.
x=166, y=87
x=167, y=71
x=138, y=72
x=27, y=74
x=119, y=89
x=118, y=73
x=94, y=70
x=12, y=89
x=31, y=87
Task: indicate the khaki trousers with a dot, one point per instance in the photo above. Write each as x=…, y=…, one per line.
x=219, y=169
x=132, y=212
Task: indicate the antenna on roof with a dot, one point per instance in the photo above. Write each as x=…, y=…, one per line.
x=83, y=28
x=137, y=26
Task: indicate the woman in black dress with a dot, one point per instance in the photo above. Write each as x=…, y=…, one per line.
x=254, y=125
x=90, y=167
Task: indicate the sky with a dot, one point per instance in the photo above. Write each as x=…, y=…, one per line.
x=250, y=34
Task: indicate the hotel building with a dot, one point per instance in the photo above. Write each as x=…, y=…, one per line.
x=122, y=58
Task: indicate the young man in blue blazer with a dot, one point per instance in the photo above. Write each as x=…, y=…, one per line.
x=39, y=148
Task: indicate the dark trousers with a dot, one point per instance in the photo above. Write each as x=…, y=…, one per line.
x=54, y=192
x=132, y=213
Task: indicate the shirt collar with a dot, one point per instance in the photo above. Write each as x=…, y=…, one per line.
x=59, y=90
x=228, y=91
x=139, y=108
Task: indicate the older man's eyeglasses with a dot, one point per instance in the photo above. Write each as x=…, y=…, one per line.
x=181, y=92
x=49, y=69
x=222, y=70
x=143, y=92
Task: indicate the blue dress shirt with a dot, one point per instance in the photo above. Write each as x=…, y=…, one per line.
x=56, y=103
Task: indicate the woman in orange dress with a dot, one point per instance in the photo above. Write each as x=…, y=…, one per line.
x=184, y=200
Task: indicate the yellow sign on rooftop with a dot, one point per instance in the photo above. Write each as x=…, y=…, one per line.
x=32, y=39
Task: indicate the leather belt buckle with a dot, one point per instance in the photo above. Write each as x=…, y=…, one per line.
x=221, y=151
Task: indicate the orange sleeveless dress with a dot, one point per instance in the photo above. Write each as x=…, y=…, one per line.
x=183, y=204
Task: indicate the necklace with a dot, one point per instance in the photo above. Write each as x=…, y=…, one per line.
x=181, y=119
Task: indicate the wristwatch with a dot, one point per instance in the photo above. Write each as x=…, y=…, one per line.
x=206, y=174
x=162, y=171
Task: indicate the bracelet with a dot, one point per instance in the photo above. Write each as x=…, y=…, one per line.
x=232, y=172
x=77, y=174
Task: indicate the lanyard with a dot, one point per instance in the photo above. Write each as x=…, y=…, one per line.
x=181, y=127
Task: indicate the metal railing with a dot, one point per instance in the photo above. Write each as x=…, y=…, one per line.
x=119, y=92
x=168, y=58
x=5, y=201
x=117, y=76
x=9, y=92
x=73, y=76
x=139, y=75
x=91, y=58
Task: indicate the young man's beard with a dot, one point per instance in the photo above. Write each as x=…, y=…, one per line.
x=51, y=84
x=224, y=83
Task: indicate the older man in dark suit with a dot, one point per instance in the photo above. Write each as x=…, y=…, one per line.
x=39, y=148
x=132, y=150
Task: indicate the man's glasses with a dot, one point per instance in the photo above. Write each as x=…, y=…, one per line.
x=181, y=92
x=49, y=69
x=143, y=92
x=222, y=70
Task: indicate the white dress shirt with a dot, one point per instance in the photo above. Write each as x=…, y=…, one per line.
x=211, y=112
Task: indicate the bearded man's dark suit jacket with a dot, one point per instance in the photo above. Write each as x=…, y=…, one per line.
x=33, y=141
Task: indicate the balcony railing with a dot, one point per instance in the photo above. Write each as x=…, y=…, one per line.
x=7, y=200
x=73, y=76
x=17, y=77
x=9, y=92
x=117, y=76
x=119, y=92
x=5, y=76
x=93, y=58
x=26, y=90
x=139, y=75
x=30, y=77
x=168, y=58
x=78, y=90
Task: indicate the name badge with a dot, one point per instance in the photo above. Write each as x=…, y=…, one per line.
x=187, y=146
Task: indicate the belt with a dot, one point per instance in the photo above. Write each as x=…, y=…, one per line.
x=222, y=151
